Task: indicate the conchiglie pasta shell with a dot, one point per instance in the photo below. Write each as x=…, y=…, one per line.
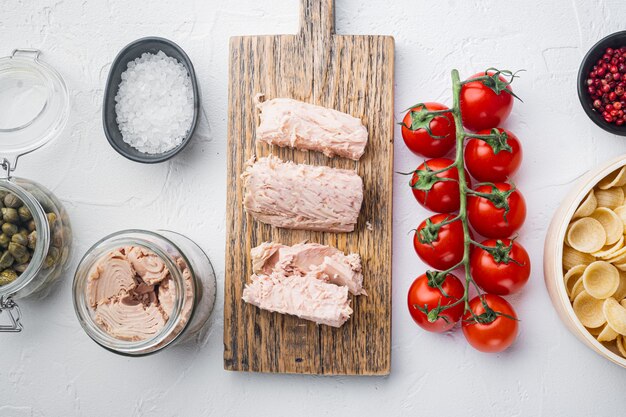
x=589, y=310
x=619, y=252
x=620, y=292
x=577, y=288
x=621, y=345
x=607, y=334
x=621, y=212
x=572, y=257
x=616, y=178
x=611, y=223
x=615, y=315
x=588, y=205
x=572, y=276
x=620, y=266
x=601, y=279
x=617, y=260
x=587, y=235
x=611, y=198
x=565, y=240
x=609, y=250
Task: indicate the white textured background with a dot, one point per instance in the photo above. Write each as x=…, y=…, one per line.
x=54, y=369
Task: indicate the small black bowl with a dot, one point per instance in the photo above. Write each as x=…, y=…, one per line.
x=129, y=53
x=615, y=40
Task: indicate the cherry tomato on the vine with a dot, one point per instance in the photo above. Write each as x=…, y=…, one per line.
x=438, y=244
x=438, y=196
x=502, y=269
x=481, y=107
x=493, y=160
x=425, y=296
x=496, y=328
x=499, y=218
x=438, y=141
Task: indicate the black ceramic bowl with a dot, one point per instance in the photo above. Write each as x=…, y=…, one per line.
x=615, y=40
x=128, y=53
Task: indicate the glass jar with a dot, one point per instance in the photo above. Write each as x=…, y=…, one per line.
x=52, y=248
x=34, y=108
x=190, y=270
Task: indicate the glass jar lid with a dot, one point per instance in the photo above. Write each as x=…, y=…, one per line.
x=34, y=104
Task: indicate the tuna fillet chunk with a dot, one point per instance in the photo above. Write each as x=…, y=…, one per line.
x=323, y=262
x=287, y=122
x=129, y=320
x=299, y=196
x=113, y=277
x=302, y=296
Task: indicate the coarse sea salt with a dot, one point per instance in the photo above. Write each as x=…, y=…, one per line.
x=154, y=103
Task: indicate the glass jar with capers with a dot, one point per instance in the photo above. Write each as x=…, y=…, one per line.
x=35, y=242
x=35, y=234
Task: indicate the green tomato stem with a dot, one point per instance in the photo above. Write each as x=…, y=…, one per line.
x=471, y=80
x=459, y=163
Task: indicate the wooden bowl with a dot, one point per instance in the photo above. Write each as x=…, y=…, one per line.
x=553, y=258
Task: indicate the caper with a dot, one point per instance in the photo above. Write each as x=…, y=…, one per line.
x=12, y=201
x=23, y=259
x=6, y=260
x=52, y=258
x=3, y=193
x=20, y=239
x=54, y=253
x=25, y=214
x=32, y=240
x=7, y=276
x=51, y=218
x=48, y=262
x=57, y=237
x=9, y=215
x=4, y=240
x=21, y=267
x=17, y=250
x=9, y=229
x=31, y=226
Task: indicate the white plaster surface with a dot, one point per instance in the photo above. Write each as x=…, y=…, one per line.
x=54, y=369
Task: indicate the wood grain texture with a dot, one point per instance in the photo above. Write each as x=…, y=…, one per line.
x=353, y=74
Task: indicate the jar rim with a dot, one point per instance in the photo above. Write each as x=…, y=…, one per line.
x=37, y=132
x=43, y=238
x=163, y=338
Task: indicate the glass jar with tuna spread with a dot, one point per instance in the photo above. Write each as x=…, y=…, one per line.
x=137, y=291
x=35, y=235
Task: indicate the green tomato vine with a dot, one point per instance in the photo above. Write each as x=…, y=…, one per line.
x=427, y=178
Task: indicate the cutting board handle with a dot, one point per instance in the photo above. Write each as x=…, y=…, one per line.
x=317, y=18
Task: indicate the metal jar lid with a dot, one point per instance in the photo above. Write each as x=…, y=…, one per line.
x=34, y=105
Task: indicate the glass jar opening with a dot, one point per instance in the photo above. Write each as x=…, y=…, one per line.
x=183, y=303
x=24, y=96
x=40, y=251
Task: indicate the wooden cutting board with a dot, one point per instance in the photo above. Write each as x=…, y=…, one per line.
x=353, y=74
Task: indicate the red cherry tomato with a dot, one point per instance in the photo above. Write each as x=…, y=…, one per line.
x=424, y=296
x=497, y=332
x=440, y=246
x=492, y=220
x=486, y=165
x=503, y=270
x=481, y=107
x=443, y=196
x=431, y=145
